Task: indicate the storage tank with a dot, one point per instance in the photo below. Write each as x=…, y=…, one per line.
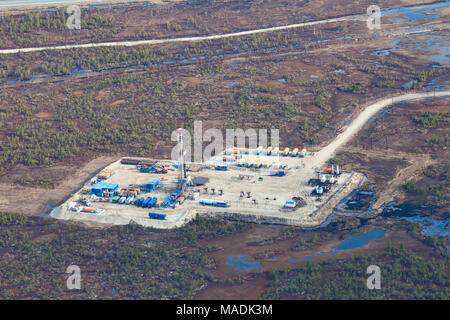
x=323, y=179
x=146, y=202
x=319, y=190
x=222, y=167
x=152, y=202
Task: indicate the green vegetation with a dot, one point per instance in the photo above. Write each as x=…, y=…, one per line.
x=436, y=142
x=132, y=112
x=121, y=262
x=438, y=190
x=403, y=276
x=36, y=182
x=432, y=119
x=207, y=228
x=433, y=170
x=23, y=30
x=357, y=87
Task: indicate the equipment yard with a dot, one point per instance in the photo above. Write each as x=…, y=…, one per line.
x=287, y=186
x=247, y=193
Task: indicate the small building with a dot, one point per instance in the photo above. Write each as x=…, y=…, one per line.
x=152, y=184
x=102, y=187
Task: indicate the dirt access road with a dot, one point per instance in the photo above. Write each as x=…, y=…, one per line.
x=327, y=152
x=185, y=39
x=38, y=200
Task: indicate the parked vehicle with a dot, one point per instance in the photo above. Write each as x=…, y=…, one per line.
x=129, y=200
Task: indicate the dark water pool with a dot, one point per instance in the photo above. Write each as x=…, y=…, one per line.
x=242, y=263
x=353, y=242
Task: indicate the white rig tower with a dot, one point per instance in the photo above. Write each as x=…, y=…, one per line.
x=181, y=160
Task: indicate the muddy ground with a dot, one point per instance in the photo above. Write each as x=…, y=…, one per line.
x=251, y=283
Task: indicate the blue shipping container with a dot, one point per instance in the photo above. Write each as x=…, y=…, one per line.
x=154, y=215
x=221, y=167
x=206, y=202
x=220, y=203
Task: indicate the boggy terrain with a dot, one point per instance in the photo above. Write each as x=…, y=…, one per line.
x=280, y=262
x=216, y=259
x=65, y=114
x=60, y=109
x=156, y=20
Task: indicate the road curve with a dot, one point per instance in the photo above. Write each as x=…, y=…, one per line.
x=185, y=39
x=328, y=151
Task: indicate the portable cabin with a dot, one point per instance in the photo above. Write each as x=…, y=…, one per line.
x=258, y=150
x=285, y=152
x=248, y=164
x=228, y=152
x=303, y=153
x=257, y=164
x=278, y=165
x=267, y=164
x=229, y=158
x=279, y=173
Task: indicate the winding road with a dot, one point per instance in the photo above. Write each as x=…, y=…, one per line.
x=328, y=151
